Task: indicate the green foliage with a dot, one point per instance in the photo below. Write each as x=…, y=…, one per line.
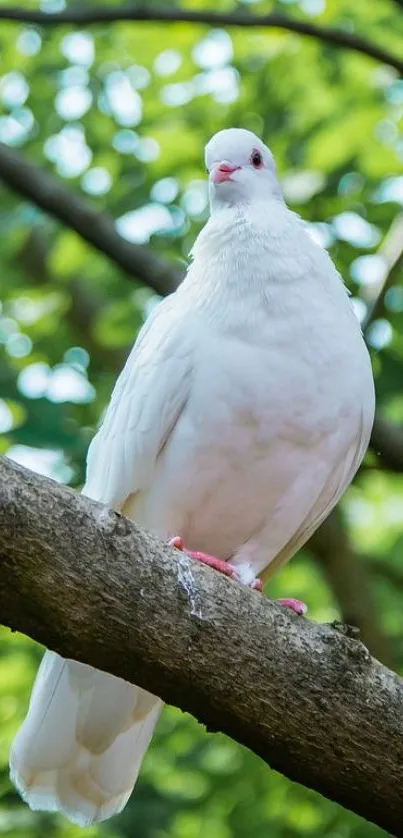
x=122, y=112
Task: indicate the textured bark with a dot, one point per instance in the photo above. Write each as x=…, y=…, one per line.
x=82, y=15
x=305, y=697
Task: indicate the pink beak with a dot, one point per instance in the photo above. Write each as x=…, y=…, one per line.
x=223, y=172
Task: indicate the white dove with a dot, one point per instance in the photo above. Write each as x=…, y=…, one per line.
x=241, y=416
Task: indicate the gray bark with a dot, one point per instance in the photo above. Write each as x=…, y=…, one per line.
x=307, y=698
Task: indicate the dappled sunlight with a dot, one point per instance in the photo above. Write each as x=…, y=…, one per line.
x=43, y=461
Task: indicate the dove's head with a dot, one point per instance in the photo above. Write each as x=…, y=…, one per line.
x=241, y=169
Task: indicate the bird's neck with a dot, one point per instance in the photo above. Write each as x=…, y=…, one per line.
x=256, y=265
x=240, y=248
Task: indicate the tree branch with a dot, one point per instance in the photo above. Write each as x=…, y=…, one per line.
x=98, y=229
x=84, y=16
x=306, y=698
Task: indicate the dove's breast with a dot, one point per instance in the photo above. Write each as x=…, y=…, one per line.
x=263, y=417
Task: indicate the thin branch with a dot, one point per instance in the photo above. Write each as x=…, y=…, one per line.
x=98, y=229
x=391, y=251
x=85, y=16
x=308, y=699
x=348, y=579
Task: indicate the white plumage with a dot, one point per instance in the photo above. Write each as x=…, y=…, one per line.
x=242, y=414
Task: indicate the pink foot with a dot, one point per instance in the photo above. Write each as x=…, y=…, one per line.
x=295, y=604
x=217, y=564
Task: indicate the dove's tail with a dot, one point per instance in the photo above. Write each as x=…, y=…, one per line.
x=80, y=747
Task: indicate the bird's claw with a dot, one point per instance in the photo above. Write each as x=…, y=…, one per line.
x=295, y=604
x=211, y=561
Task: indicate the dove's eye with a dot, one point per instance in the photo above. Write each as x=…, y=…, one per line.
x=256, y=159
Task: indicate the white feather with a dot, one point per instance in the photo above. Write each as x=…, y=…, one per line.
x=81, y=745
x=144, y=407
x=242, y=414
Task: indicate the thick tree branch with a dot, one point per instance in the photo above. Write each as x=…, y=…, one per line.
x=306, y=698
x=84, y=16
x=98, y=229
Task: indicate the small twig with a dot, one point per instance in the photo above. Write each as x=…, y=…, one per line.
x=85, y=16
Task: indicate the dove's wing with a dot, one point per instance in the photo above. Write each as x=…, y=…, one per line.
x=147, y=400
x=82, y=742
x=327, y=494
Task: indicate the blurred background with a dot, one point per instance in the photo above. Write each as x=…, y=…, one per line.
x=118, y=114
